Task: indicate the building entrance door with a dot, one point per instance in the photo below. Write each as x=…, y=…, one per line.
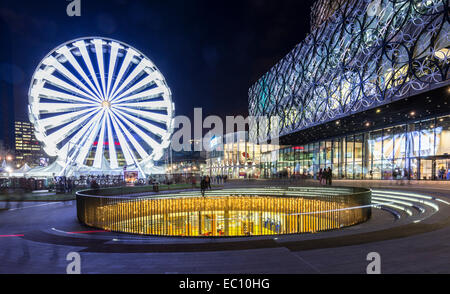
x=427, y=169
x=443, y=169
x=435, y=168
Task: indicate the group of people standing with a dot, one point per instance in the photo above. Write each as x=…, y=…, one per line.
x=325, y=176
x=444, y=174
x=64, y=184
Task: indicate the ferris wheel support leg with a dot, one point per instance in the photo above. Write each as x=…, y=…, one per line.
x=141, y=171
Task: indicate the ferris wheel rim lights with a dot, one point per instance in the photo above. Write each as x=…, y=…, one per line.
x=108, y=91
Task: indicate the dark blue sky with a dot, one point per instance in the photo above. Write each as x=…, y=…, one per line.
x=210, y=52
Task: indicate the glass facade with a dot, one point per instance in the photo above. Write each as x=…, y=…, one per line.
x=417, y=150
x=236, y=157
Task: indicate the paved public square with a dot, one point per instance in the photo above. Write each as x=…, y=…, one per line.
x=35, y=237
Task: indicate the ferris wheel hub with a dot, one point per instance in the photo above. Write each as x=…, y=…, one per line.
x=106, y=104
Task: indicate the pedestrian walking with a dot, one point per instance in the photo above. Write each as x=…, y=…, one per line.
x=324, y=180
x=203, y=186
x=329, y=176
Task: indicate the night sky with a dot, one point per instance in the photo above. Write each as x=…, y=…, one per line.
x=210, y=52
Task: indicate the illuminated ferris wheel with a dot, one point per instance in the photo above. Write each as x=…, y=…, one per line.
x=97, y=102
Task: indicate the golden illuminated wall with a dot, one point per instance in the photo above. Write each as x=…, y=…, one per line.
x=229, y=215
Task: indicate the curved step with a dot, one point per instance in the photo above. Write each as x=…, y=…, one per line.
x=399, y=201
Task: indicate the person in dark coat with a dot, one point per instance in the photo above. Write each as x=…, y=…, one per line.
x=203, y=186
x=329, y=176
x=95, y=185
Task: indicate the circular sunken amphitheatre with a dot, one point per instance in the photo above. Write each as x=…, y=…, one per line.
x=227, y=212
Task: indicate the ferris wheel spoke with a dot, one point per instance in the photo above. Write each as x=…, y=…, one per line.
x=147, y=81
x=130, y=137
x=61, y=107
x=156, y=117
x=151, y=93
x=148, y=126
x=123, y=143
x=56, y=95
x=100, y=143
x=87, y=146
x=70, y=146
x=152, y=105
x=112, y=64
x=54, y=121
x=111, y=144
x=69, y=129
x=126, y=62
x=66, y=52
x=53, y=80
x=98, y=43
x=139, y=69
x=81, y=45
x=147, y=139
x=52, y=61
x=78, y=139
